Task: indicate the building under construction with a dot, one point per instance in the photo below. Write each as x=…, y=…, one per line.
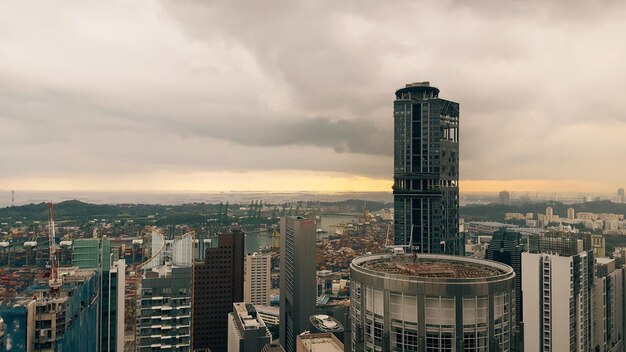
x=57, y=319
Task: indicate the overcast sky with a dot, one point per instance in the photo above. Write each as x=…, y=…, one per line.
x=298, y=95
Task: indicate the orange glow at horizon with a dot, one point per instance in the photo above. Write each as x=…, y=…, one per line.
x=272, y=181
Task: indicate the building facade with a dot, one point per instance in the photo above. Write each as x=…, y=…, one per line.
x=426, y=170
x=247, y=331
x=164, y=311
x=258, y=279
x=608, y=306
x=112, y=307
x=428, y=302
x=506, y=247
x=557, y=288
x=297, y=278
x=218, y=283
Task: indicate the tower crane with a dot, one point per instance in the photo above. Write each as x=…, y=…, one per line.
x=54, y=265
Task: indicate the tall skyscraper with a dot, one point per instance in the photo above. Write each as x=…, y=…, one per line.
x=621, y=198
x=218, y=283
x=557, y=293
x=426, y=170
x=258, y=279
x=297, y=278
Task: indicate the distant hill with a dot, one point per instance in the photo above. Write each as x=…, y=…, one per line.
x=74, y=209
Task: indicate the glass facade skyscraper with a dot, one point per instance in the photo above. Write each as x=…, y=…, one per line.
x=426, y=170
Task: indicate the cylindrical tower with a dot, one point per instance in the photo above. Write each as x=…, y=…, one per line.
x=430, y=302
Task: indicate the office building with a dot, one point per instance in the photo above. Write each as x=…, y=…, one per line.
x=557, y=293
x=428, y=302
x=426, y=170
x=258, y=279
x=506, y=247
x=297, y=278
x=325, y=342
x=218, y=283
x=87, y=253
x=96, y=254
x=246, y=329
x=621, y=198
x=608, y=306
x=113, y=282
x=164, y=311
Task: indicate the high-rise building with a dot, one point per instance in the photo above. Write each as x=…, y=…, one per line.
x=608, y=306
x=504, y=197
x=218, y=283
x=506, y=247
x=258, y=279
x=621, y=198
x=598, y=244
x=297, y=278
x=557, y=293
x=571, y=213
x=247, y=331
x=164, y=309
x=429, y=302
x=95, y=253
x=426, y=170
x=112, y=307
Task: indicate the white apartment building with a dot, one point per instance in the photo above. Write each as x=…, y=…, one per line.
x=556, y=289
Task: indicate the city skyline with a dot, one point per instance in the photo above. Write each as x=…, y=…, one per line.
x=158, y=95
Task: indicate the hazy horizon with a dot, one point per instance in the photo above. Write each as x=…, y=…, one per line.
x=205, y=96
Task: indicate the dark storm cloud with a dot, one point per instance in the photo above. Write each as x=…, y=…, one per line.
x=240, y=85
x=343, y=136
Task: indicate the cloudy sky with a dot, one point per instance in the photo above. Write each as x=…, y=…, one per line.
x=297, y=95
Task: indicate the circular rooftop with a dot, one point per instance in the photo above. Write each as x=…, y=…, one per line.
x=424, y=267
x=417, y=87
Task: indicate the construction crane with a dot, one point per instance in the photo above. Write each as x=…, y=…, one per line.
x=54, y=265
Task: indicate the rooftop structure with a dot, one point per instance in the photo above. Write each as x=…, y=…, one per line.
x=246, y=329
x=326, y=342
x=431, y=267
x=440, y=300
x=325, y=323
